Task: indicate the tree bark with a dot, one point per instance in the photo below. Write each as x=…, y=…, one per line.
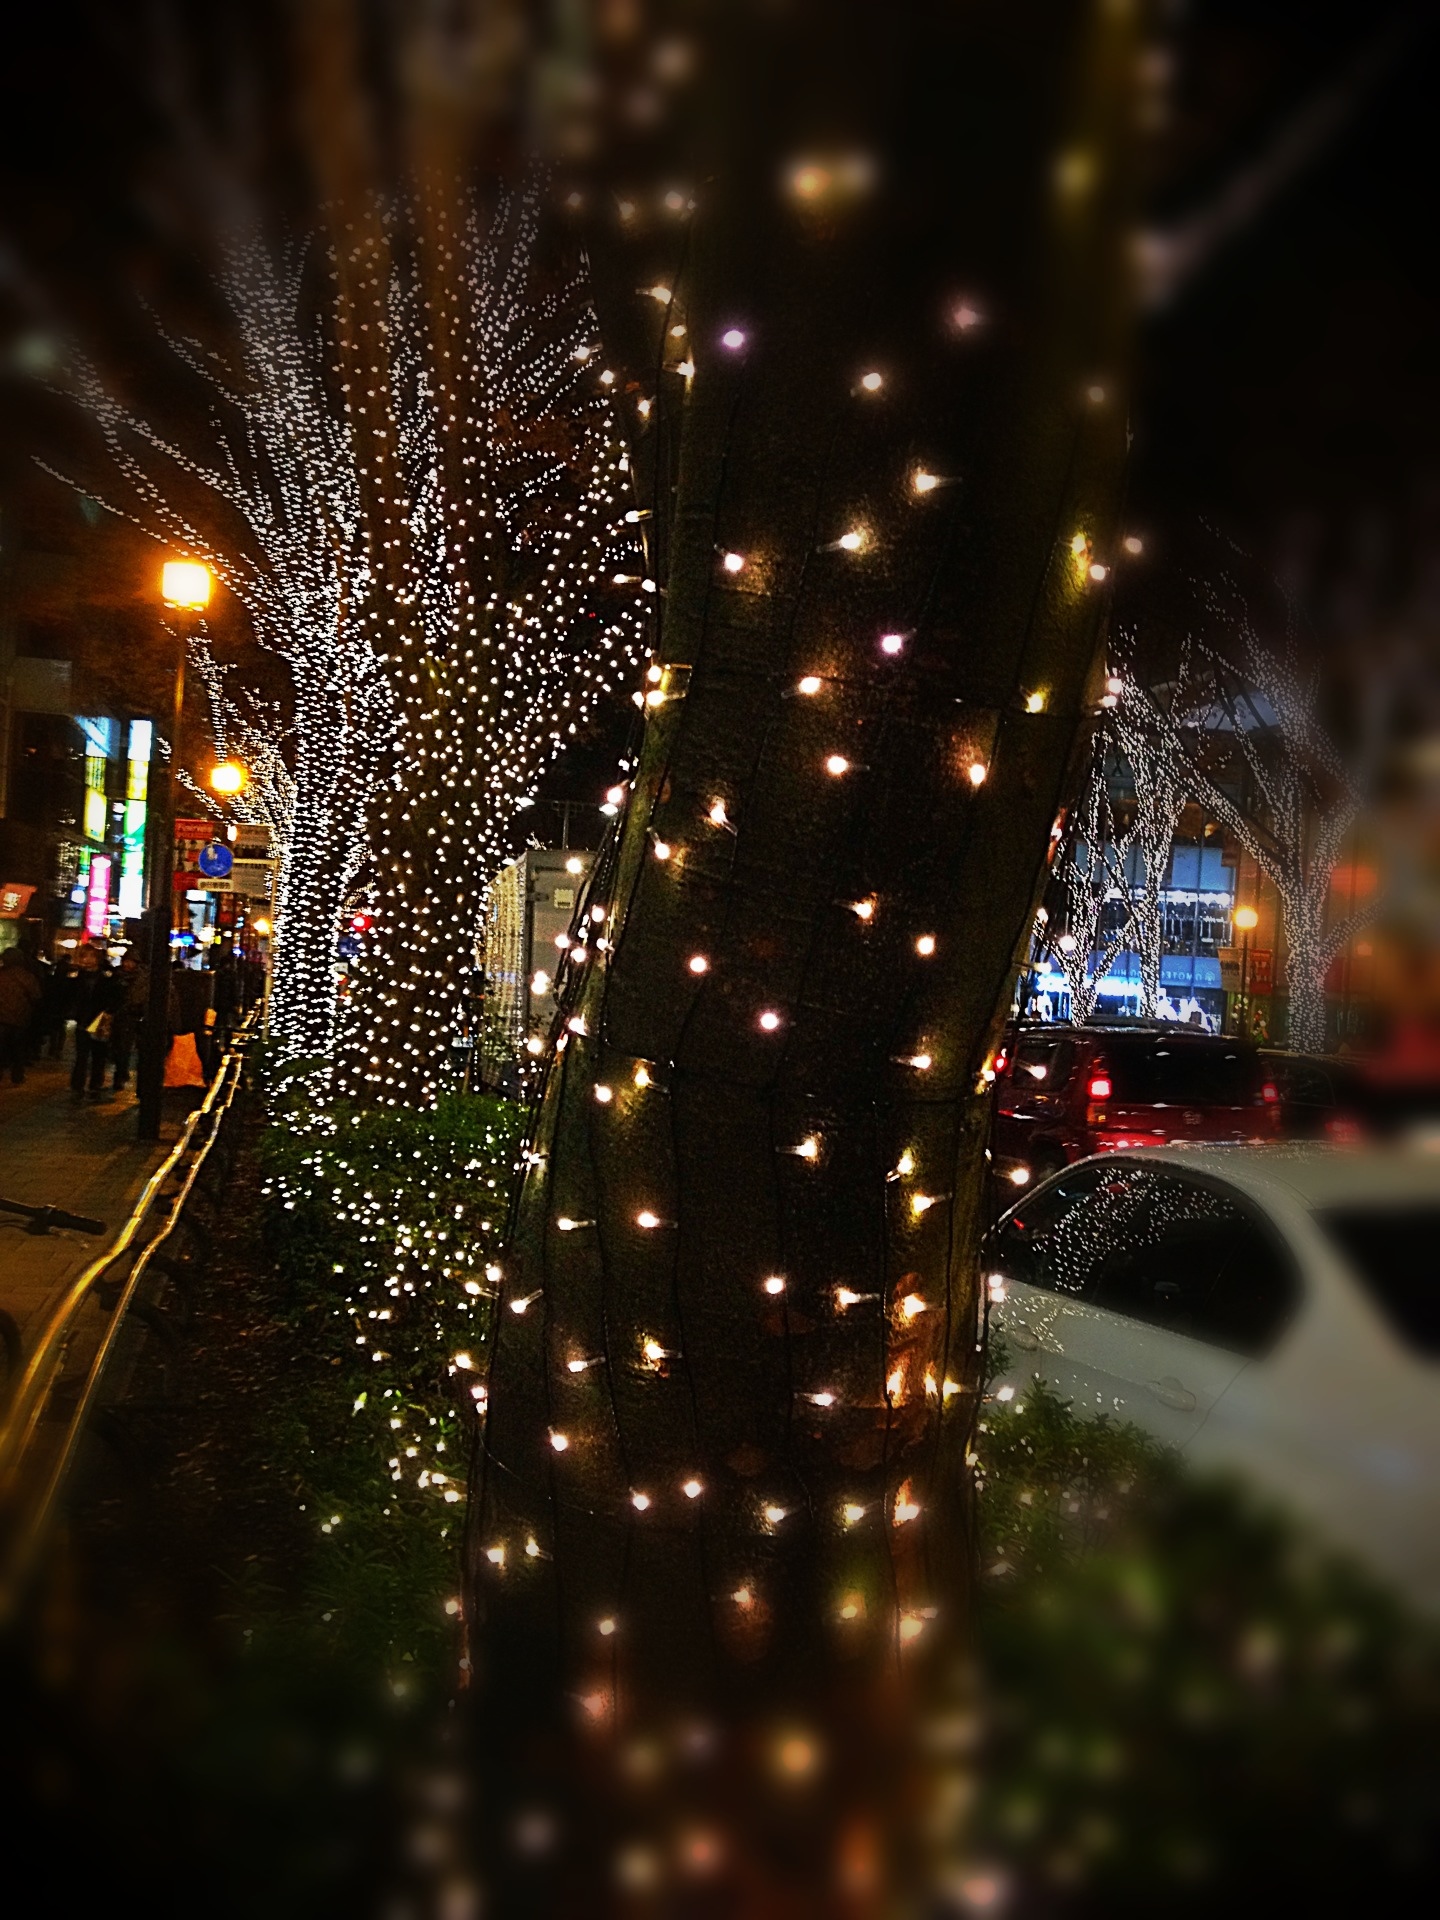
x=630, y=1359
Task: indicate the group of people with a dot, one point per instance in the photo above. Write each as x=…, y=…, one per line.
x=105, y=1006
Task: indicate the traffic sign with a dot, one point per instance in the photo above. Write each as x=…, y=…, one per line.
x=215, y=860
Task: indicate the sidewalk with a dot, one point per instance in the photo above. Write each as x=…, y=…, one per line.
x=84, y=1157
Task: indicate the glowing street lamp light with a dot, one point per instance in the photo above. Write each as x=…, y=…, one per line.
x=229, y=777
x=185, y=583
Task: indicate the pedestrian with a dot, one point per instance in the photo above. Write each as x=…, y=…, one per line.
x=95, y=1001
x=19, y=1005
x=133, y=985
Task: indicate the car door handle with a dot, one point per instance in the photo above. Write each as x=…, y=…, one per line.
x=1171, y=1393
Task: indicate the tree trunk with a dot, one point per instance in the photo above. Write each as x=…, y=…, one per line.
x=1307, y=962
x=729, y=1409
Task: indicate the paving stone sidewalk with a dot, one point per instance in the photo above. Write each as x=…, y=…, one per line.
x=59, y=1152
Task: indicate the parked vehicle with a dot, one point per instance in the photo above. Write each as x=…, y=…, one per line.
x=1321, y=1098
x=1272, y=1310
x=1063, y=1093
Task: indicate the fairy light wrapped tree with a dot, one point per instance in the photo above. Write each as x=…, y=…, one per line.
x=446, y=631
x=880, y=427
x=1256, y=751
x=1093, y=919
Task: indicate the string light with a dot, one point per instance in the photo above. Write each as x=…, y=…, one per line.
x=924, y=482
x=892, y=643
x=811, y=683
x=774, y=1285
x=872, y=382
x=732, y=338
x=603, y=1093
x=641, y=1075
x=809, y=1148
x=852, y=541
x=925, y=945
x=640, y=1502
x=648, y=1220
x=733, y=563
x=692, y=1489
x=559, y=1441
x=863, y=909
x=836, y=764
x=978, y=771
x=769, y=1020
x=421, y=687
x=697, y=963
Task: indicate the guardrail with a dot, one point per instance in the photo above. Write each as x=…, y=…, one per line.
x=34, y=1456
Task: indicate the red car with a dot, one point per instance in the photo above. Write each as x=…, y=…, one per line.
x=1064, y=1092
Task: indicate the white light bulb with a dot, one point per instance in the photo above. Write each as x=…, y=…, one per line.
x=892, y=643
x=692, y=1489
x=697, y=963
x=925, y=944
x=604, y=1094
x=732, y=338
x=811, y=683
x=837, y=764
x=978, y=771
x=774, y=1285
x=733, y=562
x=559, y=1441
x=647, y=1219
x=872, y=382
x=769, y=1020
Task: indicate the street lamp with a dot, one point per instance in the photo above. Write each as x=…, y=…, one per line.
x=229, y=778
x=1247, y=919
x=185, y=588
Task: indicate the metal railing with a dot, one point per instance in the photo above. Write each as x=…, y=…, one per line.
x=36, y=1455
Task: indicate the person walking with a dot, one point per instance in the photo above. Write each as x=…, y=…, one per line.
x=19, y=1004
x=95, y=1001
x=132, y=984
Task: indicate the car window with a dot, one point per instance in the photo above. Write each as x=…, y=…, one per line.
x=1306, y=1085
x=1394, y=1253
x=1177, y=1073
x=1059, y=1239
x=1042, y=1060
x=1204, y=1266
x=1155, y=1247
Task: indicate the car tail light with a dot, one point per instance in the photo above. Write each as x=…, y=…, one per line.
x=1099, y=1088
x=1269, y=1093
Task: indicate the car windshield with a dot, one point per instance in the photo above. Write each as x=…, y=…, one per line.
x=1394, y=1253
x=1176, y=1074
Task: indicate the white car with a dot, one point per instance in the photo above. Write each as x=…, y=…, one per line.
x=1271, y=1309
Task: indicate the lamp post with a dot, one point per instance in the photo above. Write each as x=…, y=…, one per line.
x=184, y=588
x=1247, y=919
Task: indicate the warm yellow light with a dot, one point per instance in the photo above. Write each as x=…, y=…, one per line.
x=811, y=683
x=229, y=777
x=978, y=770
x=185, y=583
x=1247, y=919
x=261, y=926
x=1035, y=703
x=925, y=945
